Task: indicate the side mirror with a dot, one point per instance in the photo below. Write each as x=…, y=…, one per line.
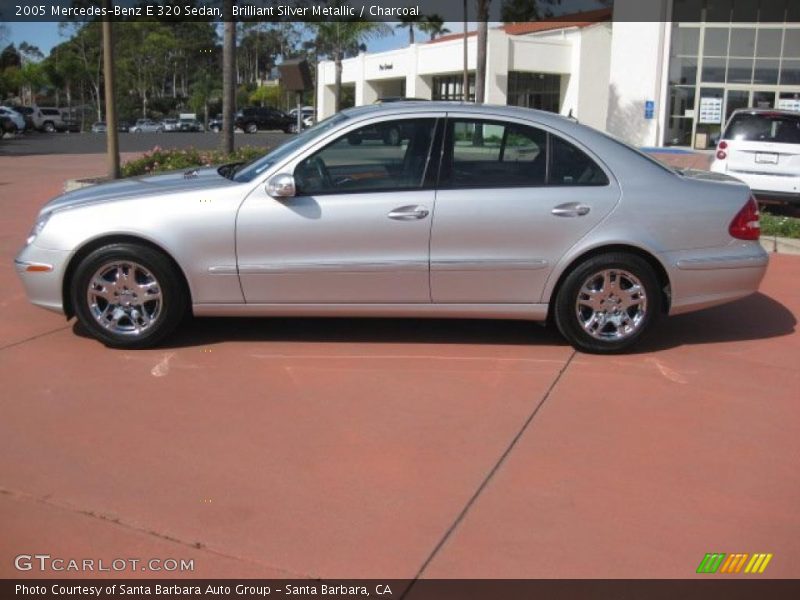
x=281, y=186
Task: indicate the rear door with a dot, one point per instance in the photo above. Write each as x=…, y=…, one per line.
x=512, y=199
x=764, y=143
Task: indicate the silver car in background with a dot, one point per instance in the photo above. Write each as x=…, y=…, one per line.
x=478, y=211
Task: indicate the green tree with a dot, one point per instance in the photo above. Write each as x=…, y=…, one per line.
x=433, y=25
x=338, y=39
x=410, y=22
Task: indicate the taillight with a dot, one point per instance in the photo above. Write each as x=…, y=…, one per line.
x=745, y=224
x=721, y=154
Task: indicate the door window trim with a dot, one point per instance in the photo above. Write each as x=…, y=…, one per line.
x=452, y=117
x=428, y=182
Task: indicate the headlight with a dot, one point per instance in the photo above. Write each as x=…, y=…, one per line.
x=38, y=227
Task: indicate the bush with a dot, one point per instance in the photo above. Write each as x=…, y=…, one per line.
x=158, y=160
x=781, y=226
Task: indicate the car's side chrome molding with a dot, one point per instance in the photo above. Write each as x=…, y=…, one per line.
x=722, y=262
x=223, y=270
x=338, y=266
x=467, y=264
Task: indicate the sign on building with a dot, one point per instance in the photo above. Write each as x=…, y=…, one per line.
x=710, y=111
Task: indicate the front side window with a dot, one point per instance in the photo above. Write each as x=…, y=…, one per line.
x=391, y=155
x=490, y=154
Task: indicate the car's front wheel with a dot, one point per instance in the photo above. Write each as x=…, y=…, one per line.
x=128, y=295
x=251, y=128
x=607, y=303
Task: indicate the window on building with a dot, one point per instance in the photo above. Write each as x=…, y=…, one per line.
x=392, y=155
x=535, y=90
x=451, y=87
x=488, y=154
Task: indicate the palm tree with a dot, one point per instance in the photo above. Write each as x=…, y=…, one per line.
x=112, y=139
x=228, y=76
x=433, y=25
x=409, y=21
x=339, y=38
x=480, y=67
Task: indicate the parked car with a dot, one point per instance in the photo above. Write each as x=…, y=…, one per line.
x=191, y=125
x=147, y=126
x=307, y=118
x=48, y=119
x=27, y=114
x=15, y=117
x=7, y=125
x=531, y=223
x=99, y=127
x=250, y=120
x=761, y=147
x=215, y=124
x=171, y=125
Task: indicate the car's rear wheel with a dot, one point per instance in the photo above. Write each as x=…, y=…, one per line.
x=49, y=127
x=607, y=303
x=251, y=128
x=128, y=296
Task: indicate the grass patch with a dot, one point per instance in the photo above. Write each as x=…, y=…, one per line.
x=772, y=225
x=158, y=160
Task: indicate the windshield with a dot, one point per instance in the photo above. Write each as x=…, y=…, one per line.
x=255, y=168
x=764, y=127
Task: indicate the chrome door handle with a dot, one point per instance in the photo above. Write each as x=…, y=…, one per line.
x=409, y=213
x=571, y=209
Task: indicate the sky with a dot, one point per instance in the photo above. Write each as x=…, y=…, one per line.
x=46, y=35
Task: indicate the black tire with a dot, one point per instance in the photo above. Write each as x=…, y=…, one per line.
x=251, y=128
x=566, y=312
x=49, y=127
x=174, y=297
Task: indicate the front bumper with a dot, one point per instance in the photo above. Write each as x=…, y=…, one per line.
x=42, y=274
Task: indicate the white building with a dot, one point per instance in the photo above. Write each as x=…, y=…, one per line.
x=661, y=72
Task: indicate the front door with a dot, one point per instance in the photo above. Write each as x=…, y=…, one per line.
x=511, y=202
x=356, y=232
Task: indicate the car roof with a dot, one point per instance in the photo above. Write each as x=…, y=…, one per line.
x=485, y=110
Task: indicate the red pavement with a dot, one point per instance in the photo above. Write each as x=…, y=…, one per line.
x=385, y=448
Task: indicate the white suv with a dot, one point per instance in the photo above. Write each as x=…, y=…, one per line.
x=761, y=147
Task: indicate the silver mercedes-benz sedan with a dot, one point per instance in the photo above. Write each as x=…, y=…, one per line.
x=412, y=209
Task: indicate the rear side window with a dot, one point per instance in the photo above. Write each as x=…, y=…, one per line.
x=50, y=111
x=491, y=154
x=569, y=165
x=784, y=129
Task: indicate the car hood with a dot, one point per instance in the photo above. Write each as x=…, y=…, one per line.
x=173, y=182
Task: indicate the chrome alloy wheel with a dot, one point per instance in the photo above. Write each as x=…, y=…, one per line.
x=611, y=305
x=124, y=298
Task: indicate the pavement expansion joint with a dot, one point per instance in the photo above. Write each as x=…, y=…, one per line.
x=50, y=503
x=485, y=482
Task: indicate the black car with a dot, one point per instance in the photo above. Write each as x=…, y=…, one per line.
x=251, y=120
x=215, y=124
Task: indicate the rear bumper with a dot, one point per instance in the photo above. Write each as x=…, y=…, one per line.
x=782, y=197
x=783, y=187
x=711, y=276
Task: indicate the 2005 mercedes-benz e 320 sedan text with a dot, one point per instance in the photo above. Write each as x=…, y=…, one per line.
x=473, y=211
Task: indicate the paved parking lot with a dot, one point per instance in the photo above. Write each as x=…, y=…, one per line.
x=385, y=448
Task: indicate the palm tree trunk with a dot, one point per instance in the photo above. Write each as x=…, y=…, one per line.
x=411, y=34
x=112, y=139
x=465, y=77
x=480, y=67
x=337, y=86
x=228, y=77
